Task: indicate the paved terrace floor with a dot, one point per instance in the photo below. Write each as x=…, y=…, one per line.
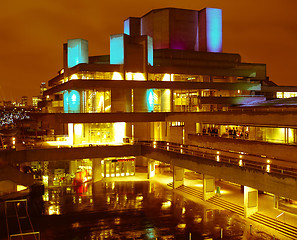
x=231, y=193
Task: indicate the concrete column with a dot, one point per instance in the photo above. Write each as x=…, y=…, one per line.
x=72, y=167
x=165, y=100
x=141, y=161
x=121, y=100
x=189, y=128
x=96, y=169
x=178, y=176
x=208, y=187
x=45, y=172
x=177, y=201
x=275, y=201
x=250, y=201
x=150, y=168
x=151, y=187
x=208, y=215
x=129, y=130
x=142, y=131
x=140, y=100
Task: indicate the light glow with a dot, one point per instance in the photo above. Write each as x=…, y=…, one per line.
x=70, y=133
x=150, y=51
x=214, y=29
x=268, y=168
x=167, y=77
x=73, y=77
x=77, y=52
x=65, y=101
x=54, y=210
x=78, y=132
x=119, y=131
x=127, y=26
x=21, y=188
x=74, y=103
x=183, y=210
x=166, y=204
x=150, y=100
x=117, y=76
x=45, y=180
x=117, y=49
x=135, y=76
x=240, y=163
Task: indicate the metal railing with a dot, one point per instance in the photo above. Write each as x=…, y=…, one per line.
x=239, y=159
x=19, y=206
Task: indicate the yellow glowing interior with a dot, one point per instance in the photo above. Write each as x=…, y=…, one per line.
x=70, y=133
x=117, y=76
x=73, y=77
x=286, y=94
x=166, y=204
x=21, y=188
x=135, y=76
x=168, y=77
x=119, y=131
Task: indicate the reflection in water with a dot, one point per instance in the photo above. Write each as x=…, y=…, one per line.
x=131, y=210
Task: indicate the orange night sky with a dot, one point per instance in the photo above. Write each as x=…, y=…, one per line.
x=33, y=32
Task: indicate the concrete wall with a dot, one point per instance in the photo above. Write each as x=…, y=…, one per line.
x=60, y=154
x=142, y=131
x=176, y=134
x=120, y=100
x=150, y=25
x=7, y=187
x=183, y=29
x=15, y=176
x=140, y=100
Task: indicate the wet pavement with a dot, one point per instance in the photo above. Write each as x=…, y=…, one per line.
x=134, y=210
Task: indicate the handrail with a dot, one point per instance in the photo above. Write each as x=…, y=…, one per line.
x=16, y=211
x=26, y=234
x=22, y=233
x=243, y=161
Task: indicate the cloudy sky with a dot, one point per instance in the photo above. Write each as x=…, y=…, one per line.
x=33, y=32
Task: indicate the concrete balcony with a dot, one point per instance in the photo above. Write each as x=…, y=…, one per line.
x=270, y=150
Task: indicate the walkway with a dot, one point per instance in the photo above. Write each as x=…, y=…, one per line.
x=273, y=221
x=281, y=224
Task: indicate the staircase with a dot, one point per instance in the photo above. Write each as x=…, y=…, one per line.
x=283, y=228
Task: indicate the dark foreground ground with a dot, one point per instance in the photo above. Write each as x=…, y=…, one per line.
x=130, y=210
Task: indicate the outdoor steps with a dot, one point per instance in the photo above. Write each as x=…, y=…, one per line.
x=226, y=205
x=283, y=228
x=191, y=191
x=214, y=200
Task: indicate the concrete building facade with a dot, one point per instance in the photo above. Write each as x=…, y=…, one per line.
x=166, y=79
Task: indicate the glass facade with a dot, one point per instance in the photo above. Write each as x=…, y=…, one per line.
x=96, y=133
x=96, y=101
x=256, y=133
x=286, y=94
x=118, y=167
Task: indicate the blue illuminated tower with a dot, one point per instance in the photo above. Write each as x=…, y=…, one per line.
x=77, y=52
